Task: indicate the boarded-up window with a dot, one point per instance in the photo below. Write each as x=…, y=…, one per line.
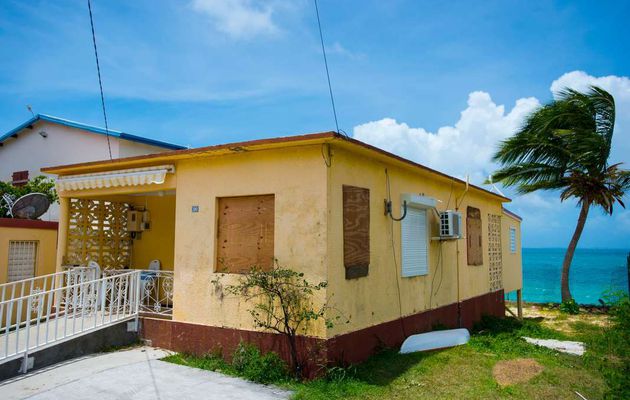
x=473, y=235
x=356, y=231
x=414, y=234
x=22, y=259
x=245, y=233
x=19, y=178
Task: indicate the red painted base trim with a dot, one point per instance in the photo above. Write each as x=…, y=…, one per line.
x=349, y=348
x=28, y=223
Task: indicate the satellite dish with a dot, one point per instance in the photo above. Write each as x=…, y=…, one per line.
x=30, y=206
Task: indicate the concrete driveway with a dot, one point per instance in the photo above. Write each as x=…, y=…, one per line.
x=131, y=374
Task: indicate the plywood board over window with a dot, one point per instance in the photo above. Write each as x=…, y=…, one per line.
x=356, y=231
x=245, y=234
x=473, y=236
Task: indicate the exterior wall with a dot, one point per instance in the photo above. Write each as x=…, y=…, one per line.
x=512, y=262
x=44, y=233
x=159, y=241
x=308, y=236
x=297, y=178
x=63, y=145
x=374, y=299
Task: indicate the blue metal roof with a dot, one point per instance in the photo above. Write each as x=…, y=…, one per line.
x=90, y=128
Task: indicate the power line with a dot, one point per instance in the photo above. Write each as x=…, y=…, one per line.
x=100, y=82
x=332, y=98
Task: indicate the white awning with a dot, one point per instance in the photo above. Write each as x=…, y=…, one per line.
x=123, y=177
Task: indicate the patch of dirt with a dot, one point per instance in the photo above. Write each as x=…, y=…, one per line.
x=519, y=370
x=554, y=319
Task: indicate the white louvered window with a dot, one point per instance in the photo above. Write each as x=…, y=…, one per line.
x=414, y=232
x=22, y=258
x=512, y=239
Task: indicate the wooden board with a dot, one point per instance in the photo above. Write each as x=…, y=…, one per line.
x=473, y=235
x=245, y=233
x=356, y=231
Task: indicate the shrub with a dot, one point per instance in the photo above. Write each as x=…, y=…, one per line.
x=570, y=307
x=282, y=302
x=251, y=364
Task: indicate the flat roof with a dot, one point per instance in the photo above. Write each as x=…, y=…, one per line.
x=89, y=128
x=250, y=145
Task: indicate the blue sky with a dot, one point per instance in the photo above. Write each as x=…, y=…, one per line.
x=419, y=78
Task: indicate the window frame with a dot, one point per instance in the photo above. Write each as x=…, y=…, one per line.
x=427, y=241
x=35, y=244
x=512, y=239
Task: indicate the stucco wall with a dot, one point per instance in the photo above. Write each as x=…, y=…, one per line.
x=512, y=262
x=297, y=178
x=375, y=299
x=46, y=248
x=158, y=242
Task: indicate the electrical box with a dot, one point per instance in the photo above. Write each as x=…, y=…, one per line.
x=450, y=225
x=138, y=221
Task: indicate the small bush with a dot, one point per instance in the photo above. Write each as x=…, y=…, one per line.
x=339, y=374
x=249, y=363
x=570, y=307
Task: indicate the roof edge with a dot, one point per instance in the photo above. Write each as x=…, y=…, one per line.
x=512, y=214
x=237, y=146
x=90, y=128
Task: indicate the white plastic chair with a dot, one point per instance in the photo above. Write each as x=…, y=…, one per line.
x=149, y=276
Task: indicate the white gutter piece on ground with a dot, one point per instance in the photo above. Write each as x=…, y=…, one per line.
x=564, y=346
x=435, y=340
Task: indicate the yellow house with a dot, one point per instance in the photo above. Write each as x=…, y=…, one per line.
x=27, y=248
x=318, y=204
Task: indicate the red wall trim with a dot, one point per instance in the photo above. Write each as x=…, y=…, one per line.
x=28, y=223
x=349, y=348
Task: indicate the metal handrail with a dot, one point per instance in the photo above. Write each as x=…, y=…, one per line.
x=31, y=322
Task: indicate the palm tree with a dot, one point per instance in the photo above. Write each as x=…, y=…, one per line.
x=564, y=146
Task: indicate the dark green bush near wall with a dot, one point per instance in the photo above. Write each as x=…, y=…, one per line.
x=251, y=364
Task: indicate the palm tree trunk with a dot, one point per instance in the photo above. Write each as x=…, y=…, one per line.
x=568, y=256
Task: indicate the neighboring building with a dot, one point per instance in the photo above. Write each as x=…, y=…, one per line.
x=316, y=204
x=46, y=140
x=25, y=246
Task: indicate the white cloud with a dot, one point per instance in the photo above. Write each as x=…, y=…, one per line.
x=339, y=49
x=463, y=149
x=239, y=18
x=466, y=148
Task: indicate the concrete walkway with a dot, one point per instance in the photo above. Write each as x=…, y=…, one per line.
x=131, y=374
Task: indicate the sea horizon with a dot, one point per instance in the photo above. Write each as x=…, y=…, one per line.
x=595, y=272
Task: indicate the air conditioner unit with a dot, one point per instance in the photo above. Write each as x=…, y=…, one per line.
x=450, y=225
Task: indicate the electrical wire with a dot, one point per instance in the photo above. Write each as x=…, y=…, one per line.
x=100, y=81
x=332, y=97
x=393, y=244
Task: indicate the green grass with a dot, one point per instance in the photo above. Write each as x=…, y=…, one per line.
x=464, y=371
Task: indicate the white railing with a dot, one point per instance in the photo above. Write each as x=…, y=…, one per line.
x=156, y=291
x=44, y=283
x=64, y=306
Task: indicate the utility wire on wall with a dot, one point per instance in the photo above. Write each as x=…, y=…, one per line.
x=100, y=82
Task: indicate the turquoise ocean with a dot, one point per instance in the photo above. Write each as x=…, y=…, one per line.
x=593, y=272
